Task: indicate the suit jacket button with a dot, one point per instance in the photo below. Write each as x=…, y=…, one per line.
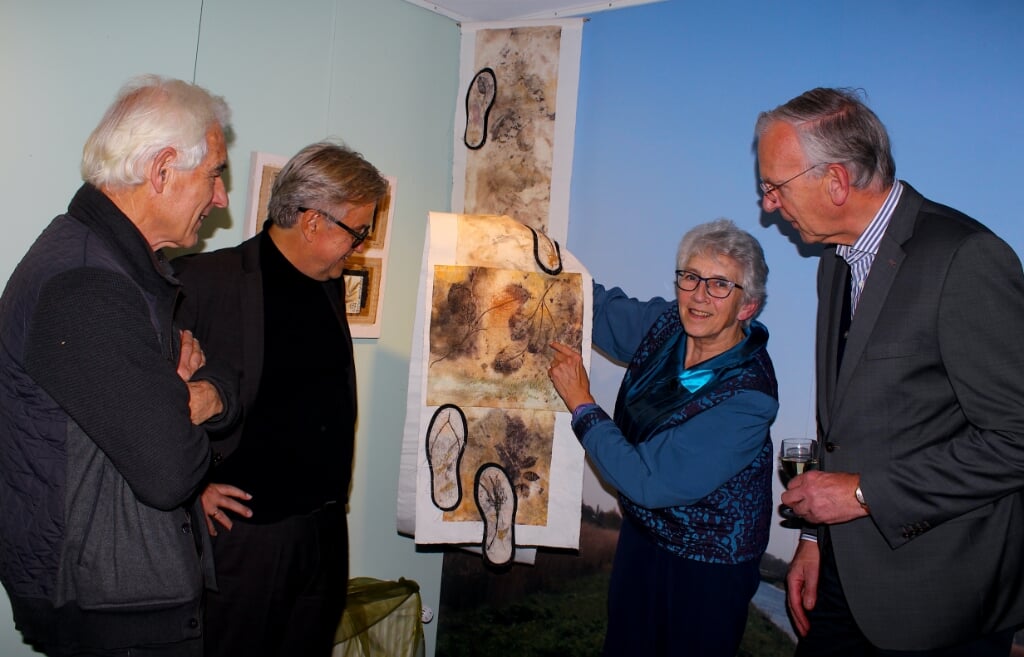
x=830, y=446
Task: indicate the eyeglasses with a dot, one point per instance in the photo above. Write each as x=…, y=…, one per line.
x=767, y=187
x=357, y=237
x=718, y=288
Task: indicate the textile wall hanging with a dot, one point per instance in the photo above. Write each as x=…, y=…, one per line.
x=496, y=464
x=488, y=456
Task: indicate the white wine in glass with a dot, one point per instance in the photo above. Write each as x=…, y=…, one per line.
x=797, y=456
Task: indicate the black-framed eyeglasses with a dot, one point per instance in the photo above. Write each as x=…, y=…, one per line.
x=358, y=237
x=719, y=288
x=767, y=187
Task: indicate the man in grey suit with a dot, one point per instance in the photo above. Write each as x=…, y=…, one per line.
x=915, y=540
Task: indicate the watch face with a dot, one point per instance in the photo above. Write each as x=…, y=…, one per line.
x=860, y=497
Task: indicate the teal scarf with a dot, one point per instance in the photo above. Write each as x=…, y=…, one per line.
x=658, y=392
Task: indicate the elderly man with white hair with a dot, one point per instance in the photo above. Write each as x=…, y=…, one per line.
x=103, y=548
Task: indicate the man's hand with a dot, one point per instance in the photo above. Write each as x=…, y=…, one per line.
x=569, y=376
x=218, y=499
x=824, y=497
x=802, y=584
x=203, y=401
x=191, y=357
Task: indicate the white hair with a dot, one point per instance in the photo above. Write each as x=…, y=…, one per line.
x=149, y=114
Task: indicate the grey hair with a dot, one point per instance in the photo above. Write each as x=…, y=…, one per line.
x=149, y=114
x=321, y=175
x=722, y=237
x=834, y=125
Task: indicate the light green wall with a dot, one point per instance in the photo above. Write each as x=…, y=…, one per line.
x=379, y=74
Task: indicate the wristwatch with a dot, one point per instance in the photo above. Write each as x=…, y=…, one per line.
x=860, y=498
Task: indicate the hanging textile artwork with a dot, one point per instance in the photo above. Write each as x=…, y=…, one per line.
x=496, y=462
x=488, y=456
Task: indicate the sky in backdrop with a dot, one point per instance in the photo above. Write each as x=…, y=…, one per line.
x=669, y=93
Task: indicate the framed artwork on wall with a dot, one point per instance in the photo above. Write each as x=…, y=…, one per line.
x=362, y=291
x=263, y=169
x=364, y=272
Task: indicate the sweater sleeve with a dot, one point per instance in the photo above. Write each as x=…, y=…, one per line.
x=682, y=465
x=92, y=347
x=220, y=375
x=620, y=322
x=205, y=279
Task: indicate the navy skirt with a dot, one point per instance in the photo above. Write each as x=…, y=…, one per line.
x=661, y=604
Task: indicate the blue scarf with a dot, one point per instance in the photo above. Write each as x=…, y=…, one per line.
x=657, y=392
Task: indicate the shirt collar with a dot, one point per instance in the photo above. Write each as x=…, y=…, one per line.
x=869, y=241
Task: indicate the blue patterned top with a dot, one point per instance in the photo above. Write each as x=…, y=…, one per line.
x=699, y=482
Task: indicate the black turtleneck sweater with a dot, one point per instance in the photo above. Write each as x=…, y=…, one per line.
x=299, y=433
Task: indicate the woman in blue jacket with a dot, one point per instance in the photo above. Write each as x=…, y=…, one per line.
x=688, y=449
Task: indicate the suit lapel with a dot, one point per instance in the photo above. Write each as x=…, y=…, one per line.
x=252, y=316
x=831, y=279
x=872, y=300
x=883, y=273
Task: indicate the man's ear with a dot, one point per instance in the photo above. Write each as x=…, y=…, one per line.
x=309, y=225
x=160, y=168
x=837, y=180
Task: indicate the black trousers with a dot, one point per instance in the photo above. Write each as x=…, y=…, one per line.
x=834, y=633
x=281, y=587
x=190, y=648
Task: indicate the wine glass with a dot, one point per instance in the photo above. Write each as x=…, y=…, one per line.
x=797, y=456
